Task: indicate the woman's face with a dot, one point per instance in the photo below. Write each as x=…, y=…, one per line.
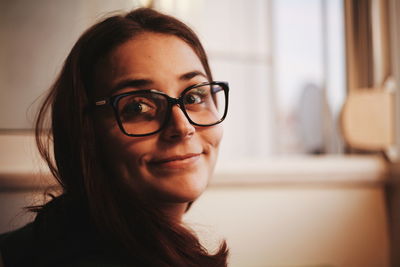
x=174, y=165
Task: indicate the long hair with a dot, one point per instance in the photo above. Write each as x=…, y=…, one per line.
x=72, y=152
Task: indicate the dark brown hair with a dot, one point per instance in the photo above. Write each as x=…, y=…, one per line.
x=76, y=160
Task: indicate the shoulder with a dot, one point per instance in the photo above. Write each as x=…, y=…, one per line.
x=61, y=235
x=97, y=261
x=1, y=261
x=16, y=243
x=20, y=235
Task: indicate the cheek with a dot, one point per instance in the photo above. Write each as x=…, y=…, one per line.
x=125, y=150
x=125, y=161
x=215, y=135
x=118, y=149
x=211, y=138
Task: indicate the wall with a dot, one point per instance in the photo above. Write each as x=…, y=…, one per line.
x=297, y=226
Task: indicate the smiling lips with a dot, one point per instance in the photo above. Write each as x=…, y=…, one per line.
x=176, y=161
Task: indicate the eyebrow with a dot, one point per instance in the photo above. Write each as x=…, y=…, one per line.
x=191, y=74
x=137, y=83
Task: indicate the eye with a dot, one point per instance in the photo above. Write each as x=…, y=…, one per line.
x=193, y=98
x=137, y=108
x=196, y=96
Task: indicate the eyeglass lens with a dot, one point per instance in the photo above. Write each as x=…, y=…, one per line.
x=146, y=113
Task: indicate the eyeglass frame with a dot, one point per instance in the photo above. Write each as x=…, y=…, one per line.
x=113, y=102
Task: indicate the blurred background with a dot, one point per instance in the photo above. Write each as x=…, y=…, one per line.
x=308, y=169
x=285, y=61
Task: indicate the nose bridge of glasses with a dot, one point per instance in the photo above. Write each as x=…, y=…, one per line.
x=179, y=103
x=175, y=101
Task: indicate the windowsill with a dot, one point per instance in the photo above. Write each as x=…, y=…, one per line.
x=20, y=165
x=303, y=170
x=323, y=170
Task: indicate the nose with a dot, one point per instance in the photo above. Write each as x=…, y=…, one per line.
x=178, y=126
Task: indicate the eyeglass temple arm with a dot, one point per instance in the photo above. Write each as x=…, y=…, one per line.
x=101, y=102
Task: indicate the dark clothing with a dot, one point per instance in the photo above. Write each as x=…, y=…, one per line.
x=61, y=235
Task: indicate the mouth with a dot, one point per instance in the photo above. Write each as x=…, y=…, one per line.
x=177, y=161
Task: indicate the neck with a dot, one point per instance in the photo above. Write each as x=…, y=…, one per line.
x=174, y=211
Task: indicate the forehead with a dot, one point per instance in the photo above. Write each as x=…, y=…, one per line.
x=155, y=56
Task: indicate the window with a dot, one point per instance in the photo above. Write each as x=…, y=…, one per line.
x=285, y=64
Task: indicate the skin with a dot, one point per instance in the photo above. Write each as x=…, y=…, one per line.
x=173, y=167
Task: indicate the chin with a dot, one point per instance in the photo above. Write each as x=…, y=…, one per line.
x=184, y=195
x=184, y=188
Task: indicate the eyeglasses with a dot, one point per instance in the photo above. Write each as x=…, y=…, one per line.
x=146, y=112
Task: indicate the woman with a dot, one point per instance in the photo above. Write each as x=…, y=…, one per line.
x=135, y=134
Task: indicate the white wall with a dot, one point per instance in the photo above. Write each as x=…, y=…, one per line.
x=296, y=226
x=36, y=37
